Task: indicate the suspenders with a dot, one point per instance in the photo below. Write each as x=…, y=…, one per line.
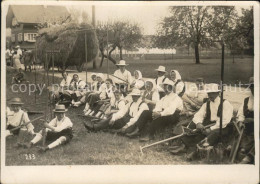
x=138, y=106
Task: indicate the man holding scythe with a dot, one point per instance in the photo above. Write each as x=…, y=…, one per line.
x=122, y=77
x=209, y=113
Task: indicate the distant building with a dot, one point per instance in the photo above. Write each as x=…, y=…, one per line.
x=24, y=19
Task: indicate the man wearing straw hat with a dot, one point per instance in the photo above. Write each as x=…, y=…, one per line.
x=166, y=110
x=124, y=118
x=245, y=117
x=17, y=117
x=160, y=79
x=59, y=130
x=209, y=114
x=122, y=76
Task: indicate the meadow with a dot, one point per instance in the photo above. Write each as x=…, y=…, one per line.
x=103, y=148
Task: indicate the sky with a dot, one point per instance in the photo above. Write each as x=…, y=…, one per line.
x=147, y=16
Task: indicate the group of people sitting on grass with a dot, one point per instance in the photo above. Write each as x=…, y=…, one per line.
x=136, y=107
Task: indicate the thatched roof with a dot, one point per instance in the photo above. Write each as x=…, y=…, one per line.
x=69, y=41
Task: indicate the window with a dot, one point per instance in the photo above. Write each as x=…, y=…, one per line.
x=20, y=37
x=30, y=37
x=13, y=38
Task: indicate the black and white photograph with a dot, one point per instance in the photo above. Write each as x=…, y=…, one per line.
x=140, y=84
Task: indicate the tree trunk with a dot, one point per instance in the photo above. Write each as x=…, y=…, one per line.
x=121, y=54
x=101, y=62
x=94, y=64
x=197, y=56
x=109, y=55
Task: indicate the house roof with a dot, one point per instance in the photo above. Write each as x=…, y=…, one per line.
x=37, y=13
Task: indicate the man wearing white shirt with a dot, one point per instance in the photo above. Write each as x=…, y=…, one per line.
x=126, y=116
x=166, y=110
x=209, y=114
x=19, y=51
x=245, y=117
x=124, y=75
x=160, y=79
x=58, y=131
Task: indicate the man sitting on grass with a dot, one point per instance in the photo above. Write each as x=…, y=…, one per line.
x=125, y=117
x=166, y=111
x=59, y=130
x=16, y=117
x=246, y=118
x=209, y=114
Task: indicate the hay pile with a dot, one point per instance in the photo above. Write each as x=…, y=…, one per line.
x=70, y=42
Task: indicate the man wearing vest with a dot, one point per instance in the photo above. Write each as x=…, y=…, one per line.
x=245, y=117
x=160, y=79
x=76, y=88
x=150, y=97
x=118, y=111
x=166, y=111
x=125, y=117
x=123, y=74
x=209, y=114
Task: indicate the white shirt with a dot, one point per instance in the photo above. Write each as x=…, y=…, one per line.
x=19, y=52
x=250, y=105
x=58, y=126
x=169, y=104
x=179, y=87
x=14, y=119
x=135, y=111
x=126, y=76
x=138, y=83
x=227, y=113
x=155, y=95
x=197, y=96
x=122, y=109
x=106, y=92
x=65, y=83
x=159, y=82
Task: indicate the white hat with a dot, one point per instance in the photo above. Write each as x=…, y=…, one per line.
x=168, y=82
x=121, y=63
x=135, y=92
x=212, y=88
x=100, y=75
x=161, y=69
x=18, y=46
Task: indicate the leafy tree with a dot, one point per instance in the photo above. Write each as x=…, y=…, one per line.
x=194, y=26
x=121, y=34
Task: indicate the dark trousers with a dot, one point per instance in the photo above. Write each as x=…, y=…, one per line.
x=162, y=94
x=162, y=122
x=52, y=136
x=213, y=137
x=15, y=132
x=143, y=119
x=103, y=124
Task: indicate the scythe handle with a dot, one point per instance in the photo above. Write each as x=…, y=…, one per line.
x=119, y=78
x=26, y=123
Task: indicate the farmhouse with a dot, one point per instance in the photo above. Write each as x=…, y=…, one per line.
x=24, y=21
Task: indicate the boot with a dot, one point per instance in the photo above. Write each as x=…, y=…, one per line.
x=133, y=133
x=86, y=107
x=91, y=113
x=89, y=126
x=88, y=112
x=98, y=114
x=180, y=149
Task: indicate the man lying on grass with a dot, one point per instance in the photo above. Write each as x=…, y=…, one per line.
x=58, y=131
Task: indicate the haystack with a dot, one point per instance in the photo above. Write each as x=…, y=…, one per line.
x=70, y=42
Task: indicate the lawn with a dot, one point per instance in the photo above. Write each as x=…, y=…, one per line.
x=209, y=69
x=105, y=148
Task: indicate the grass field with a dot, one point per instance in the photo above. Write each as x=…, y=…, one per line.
x=209, y=69
x=105, y=148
